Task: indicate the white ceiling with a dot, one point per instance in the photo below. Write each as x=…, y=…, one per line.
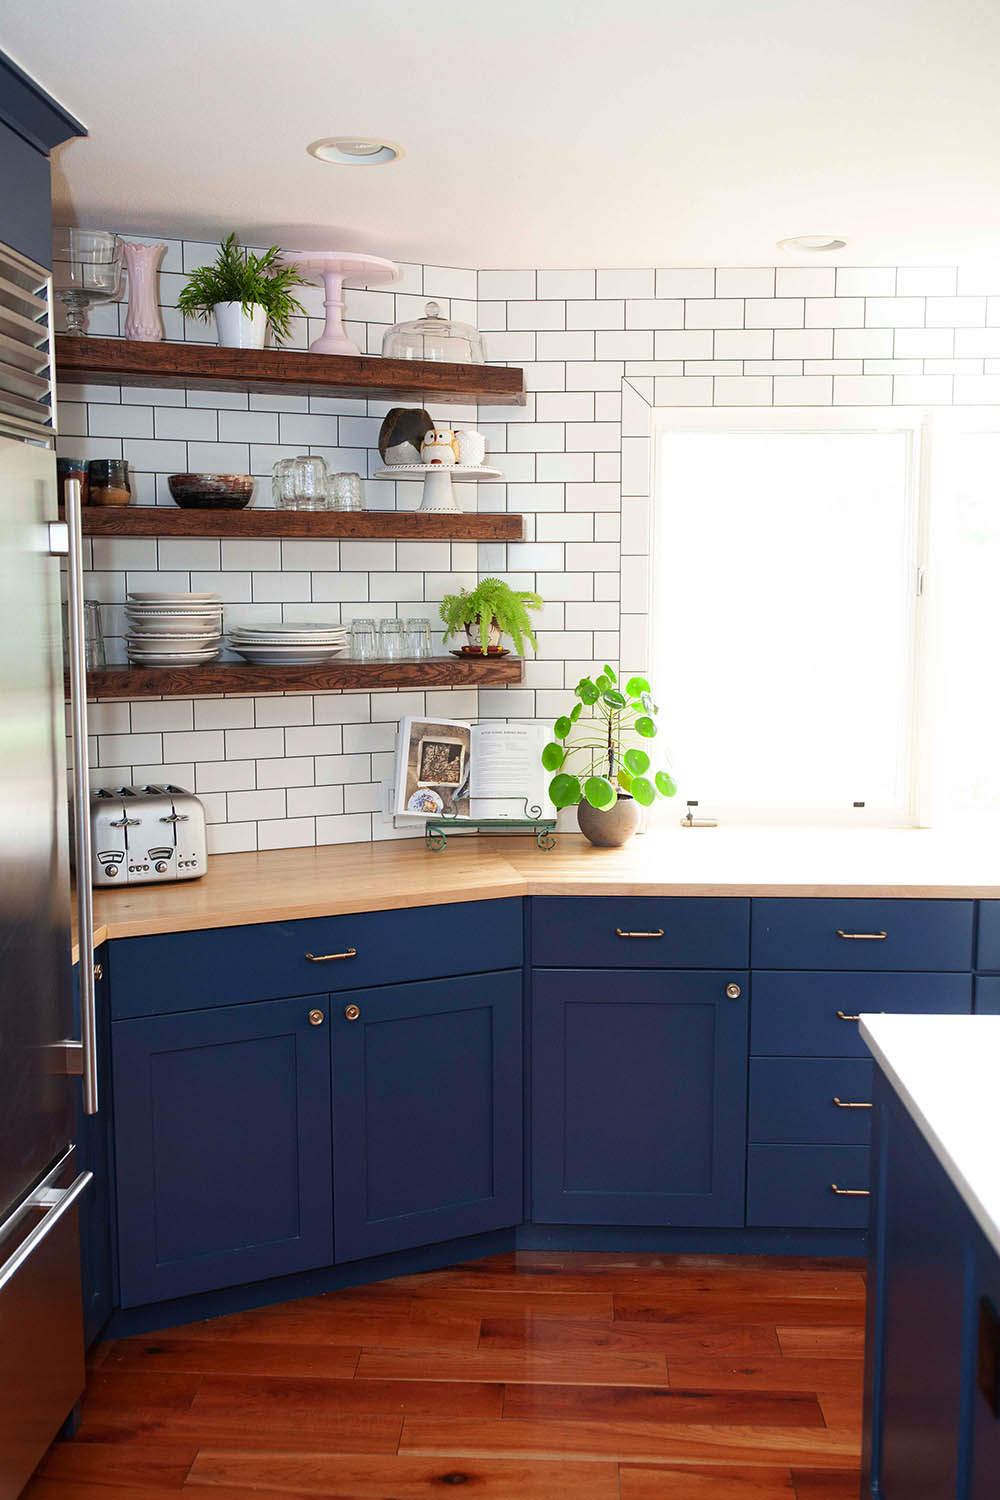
x=537, y=132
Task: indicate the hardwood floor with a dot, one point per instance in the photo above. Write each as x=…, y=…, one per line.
x=535, y=1376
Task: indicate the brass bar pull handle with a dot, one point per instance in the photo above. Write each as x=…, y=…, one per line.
x=841, y=1016
x=328, y=958
x=849, y=1192
x=862, y=937
x=657, y=934
x=844, y=1104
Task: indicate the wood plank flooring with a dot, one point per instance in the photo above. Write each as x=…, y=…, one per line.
x=535, y=1376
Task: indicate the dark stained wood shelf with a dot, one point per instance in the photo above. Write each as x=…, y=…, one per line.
x=212, y=368
x=241, y=677
x=410, y=525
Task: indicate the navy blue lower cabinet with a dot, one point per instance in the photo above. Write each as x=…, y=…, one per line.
x=222, y=1133
x=988, y=995
x=427, y=1119
x=808, y=1187
x=814, y=1014
x=638, y=1097
x=812, y=1100
x=93, y=1151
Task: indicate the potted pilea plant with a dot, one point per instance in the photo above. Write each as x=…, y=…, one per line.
x=492, y=610
x=246, y=292
x=618, y=779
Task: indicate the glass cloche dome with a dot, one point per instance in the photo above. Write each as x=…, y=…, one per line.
x=435, y=337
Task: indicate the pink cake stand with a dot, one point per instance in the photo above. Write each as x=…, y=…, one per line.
x=333, y=268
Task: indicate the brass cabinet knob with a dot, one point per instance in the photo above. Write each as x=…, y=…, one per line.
x=316, y=1018
x=351, y=1012
x=733, y=992
x=98, y=973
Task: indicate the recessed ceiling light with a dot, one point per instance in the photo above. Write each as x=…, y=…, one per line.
x=354, y=151
x=812, y=242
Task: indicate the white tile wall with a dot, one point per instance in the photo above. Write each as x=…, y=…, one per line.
x=598, y=348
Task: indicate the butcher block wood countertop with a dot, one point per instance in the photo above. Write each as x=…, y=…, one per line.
x=286, y=884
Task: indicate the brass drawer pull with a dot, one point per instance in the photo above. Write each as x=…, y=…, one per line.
x=316, y=1018
x=841, y=1016
x=328, y=958
x=862, y=937
x=733, y=992
x=849, y=1192
x=657, y=934
x=843, y=1104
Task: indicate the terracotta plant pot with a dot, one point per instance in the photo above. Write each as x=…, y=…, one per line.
x=493, y=635
x=611, y=827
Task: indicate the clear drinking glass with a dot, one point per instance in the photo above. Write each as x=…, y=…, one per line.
x=300, y=483
x=95, y=654
x=391, y=640
x=347, y=492
x=418, y=637
x=364, y=640
x=86, y=268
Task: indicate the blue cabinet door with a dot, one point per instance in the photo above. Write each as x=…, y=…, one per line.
x=222, y=1133
x=639, y=1085
x=93, y=1149
x=427, y=1119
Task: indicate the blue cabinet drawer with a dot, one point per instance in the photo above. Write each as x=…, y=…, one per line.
x=811, y=1014
x=988, y=956
x=810, y=1101
x=640, y=932
x=793, y=1187
x=233, y=965
x=988, y=996
x=853, y=934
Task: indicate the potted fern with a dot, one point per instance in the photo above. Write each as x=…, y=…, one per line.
x=495, y=610
x=246, y=292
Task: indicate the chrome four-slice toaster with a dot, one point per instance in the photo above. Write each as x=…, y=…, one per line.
x=146, y=833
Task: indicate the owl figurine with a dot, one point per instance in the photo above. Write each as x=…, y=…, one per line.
x=471, y=447
x=439, y=447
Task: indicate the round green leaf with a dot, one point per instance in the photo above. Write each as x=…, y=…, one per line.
x=635, y=686
x=603, y=683
x=637, y=762
x=599, y=792
x=645, y=727
x=553, y=756
x=562, y=727
x=613, y=698
x=643, y=791
x=587, y=690
x=666, y=784
x=608, y=673
x=624, y=780
x=565, y=790
x=575, y=712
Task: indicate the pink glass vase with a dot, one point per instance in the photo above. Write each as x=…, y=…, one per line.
x=143, y=264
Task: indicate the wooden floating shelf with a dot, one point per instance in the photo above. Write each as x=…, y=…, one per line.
x=212, y=368
x=241, y=677
x=409, y=525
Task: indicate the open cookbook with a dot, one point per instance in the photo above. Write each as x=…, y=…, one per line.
x=447, y=769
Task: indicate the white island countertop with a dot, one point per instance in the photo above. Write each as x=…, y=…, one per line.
x=945, y=1070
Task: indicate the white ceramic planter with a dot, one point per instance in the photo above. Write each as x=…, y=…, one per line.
x=240, y=330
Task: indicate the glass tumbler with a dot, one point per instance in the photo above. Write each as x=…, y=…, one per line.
x=418, y=637
x=364, y=641
x=347, y=492
x=391, y=640
x=95, y=654
x=300, y=483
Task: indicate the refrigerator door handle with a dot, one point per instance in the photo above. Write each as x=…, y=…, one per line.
x=56, y=1202
x=81, y=796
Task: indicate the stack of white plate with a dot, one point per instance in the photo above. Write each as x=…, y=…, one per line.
x=173, y=630
x=288, y=645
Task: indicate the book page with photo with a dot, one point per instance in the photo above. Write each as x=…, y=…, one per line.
x=446, y=769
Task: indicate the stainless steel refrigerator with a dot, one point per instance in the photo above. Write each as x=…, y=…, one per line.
x=41, y=1333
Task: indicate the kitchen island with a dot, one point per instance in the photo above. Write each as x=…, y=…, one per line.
x=932, y=1397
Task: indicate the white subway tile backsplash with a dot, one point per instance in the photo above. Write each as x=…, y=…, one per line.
x=536, y=315
x=774, y=312
x=626, y=283
x=684, y=343
x=956, y=312
x=894, y=312
x=655, y=313
x=742, y=390
x=251, y=744
x=753, y=281
x=862, y=390
x=697, y=283
x=565, y=284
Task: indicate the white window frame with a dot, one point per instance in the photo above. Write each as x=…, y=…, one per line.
x=914, y=424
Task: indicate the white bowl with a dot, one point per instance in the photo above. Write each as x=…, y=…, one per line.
x=174, y=625
x=160, y=597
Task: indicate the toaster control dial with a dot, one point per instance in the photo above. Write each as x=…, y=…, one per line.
x=160, y=867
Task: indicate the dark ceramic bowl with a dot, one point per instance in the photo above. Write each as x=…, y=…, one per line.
x=211, y=491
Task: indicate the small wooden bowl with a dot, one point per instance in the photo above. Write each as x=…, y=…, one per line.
x=211, y=491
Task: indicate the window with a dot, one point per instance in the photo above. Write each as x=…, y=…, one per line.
x=786, y=612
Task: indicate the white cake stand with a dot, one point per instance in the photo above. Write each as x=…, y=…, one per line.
x=333, y=268
x=438, y=493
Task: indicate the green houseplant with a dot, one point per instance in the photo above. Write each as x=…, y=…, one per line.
x=497, y=609
x=616, y=777
x=245, y=292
